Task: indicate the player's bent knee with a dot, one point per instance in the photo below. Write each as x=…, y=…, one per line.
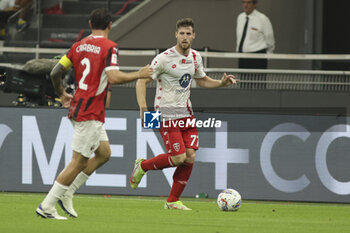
x=191, y=158
x=79, y=165
x=107, y=156
x=178, y=159
x=79, y=161
x=190, y=155
x=102, y=157
x=103, y=152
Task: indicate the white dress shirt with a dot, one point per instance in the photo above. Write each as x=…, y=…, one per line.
x=259, y=32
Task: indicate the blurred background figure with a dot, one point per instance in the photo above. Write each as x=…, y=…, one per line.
x=254, y=35
x=24, y=8
x=11, y=8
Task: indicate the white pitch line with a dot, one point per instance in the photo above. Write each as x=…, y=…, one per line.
x=134, y=198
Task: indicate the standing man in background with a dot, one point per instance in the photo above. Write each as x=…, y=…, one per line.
x=254, y=35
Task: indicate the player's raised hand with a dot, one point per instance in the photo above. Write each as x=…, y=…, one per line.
x=66, y=99
x=146, y=72
x=228, y=80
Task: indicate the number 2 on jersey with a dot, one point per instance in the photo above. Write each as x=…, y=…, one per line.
x=85, y=62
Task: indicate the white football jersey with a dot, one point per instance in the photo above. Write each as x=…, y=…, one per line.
x=174, y=74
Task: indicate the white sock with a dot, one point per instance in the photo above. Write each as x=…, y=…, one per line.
x=56, y=192
x=77, y=183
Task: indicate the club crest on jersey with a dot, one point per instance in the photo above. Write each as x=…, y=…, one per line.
x=185, y=80
x=176, y=146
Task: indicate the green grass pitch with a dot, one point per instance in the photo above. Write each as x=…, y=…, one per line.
x=98, y=213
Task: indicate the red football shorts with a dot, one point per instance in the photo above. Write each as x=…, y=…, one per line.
x=178, y=137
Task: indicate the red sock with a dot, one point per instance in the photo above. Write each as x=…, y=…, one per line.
x=157, y=163
x=180, y=177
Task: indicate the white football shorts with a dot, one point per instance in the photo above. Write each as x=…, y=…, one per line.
x=87, y=136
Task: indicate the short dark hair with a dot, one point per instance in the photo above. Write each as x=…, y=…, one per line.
x=255, y=2
x=186, y=22
x=100, y=18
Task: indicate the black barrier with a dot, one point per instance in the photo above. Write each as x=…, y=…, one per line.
x=35, y=87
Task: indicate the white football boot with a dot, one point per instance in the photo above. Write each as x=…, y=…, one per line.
x=66, y=203
x=50, y=213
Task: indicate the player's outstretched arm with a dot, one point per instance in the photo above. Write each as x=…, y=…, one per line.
x=120, y=77
x=56, y=75
x=225, y=81
x=141, y=95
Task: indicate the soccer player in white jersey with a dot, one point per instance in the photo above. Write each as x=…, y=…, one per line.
x=174, y=71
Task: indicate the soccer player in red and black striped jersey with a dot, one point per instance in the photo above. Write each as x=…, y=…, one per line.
x=95, y=62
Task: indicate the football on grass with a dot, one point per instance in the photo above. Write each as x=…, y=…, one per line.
x=229, y=200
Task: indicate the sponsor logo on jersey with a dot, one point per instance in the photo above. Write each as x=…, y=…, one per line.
x=184, y=61
x=114, y=59
x=185, y=80
x=179, y=91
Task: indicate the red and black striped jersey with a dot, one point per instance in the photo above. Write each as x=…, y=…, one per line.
x=91, y=58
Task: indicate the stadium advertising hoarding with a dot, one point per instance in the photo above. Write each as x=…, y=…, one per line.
x=263, y=156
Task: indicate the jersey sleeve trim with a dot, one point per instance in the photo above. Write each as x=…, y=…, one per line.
x=199, y=69
x=157, y=65
x=112, y=68
x=112, y=57
x=200, y=77
x=65, y=62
